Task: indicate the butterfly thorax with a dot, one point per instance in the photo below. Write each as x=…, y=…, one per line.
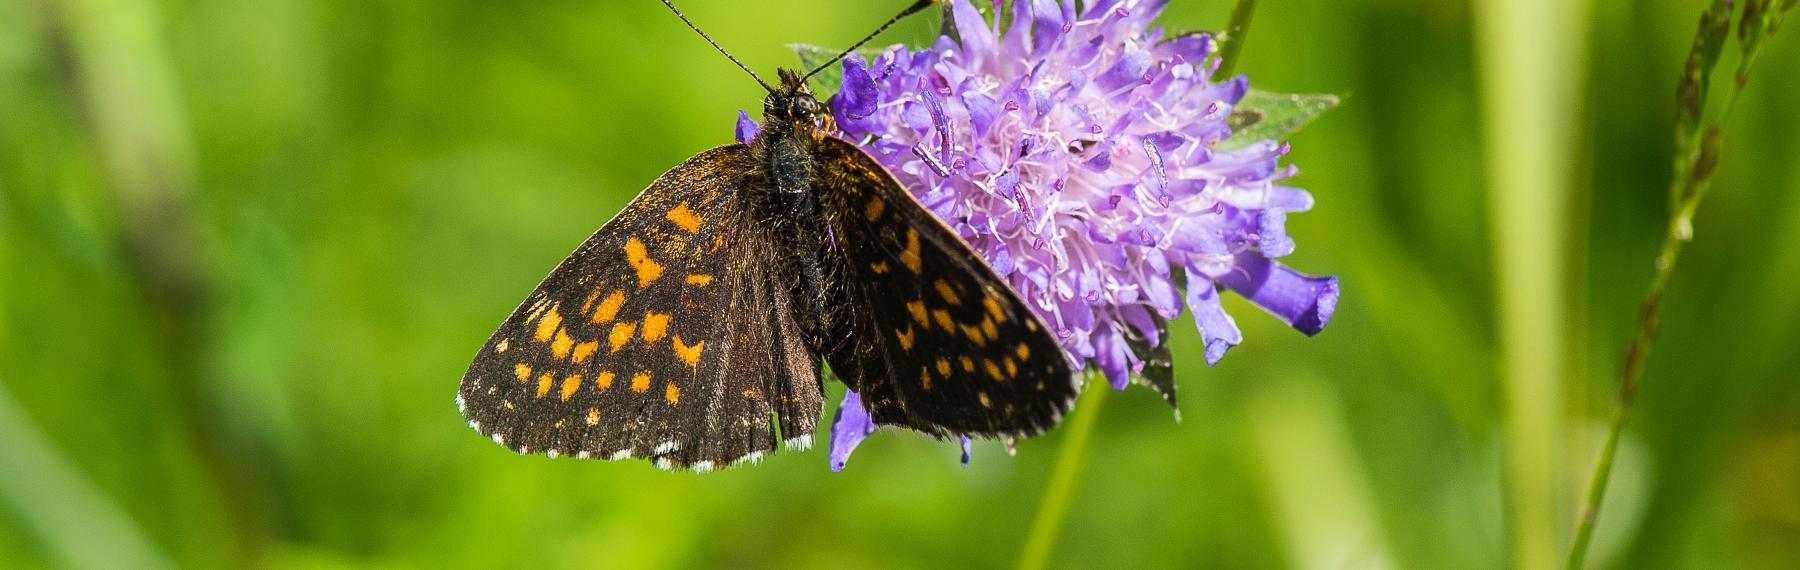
x=790, y=117
x=787, y=206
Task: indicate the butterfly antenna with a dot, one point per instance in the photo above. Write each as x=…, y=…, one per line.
x=910, y=10
x=715, y=45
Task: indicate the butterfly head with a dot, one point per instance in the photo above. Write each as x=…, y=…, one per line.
x=792, y=103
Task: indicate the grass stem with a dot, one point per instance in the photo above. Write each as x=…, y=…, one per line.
x=1697, y=157
x=1528, y=94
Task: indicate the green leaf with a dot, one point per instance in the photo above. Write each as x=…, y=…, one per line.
x=1262, y=115
x=1158, y=373
x=829, y=79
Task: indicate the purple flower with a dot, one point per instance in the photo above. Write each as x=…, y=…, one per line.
x=1076, y=153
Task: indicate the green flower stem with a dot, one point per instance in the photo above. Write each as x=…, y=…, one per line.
x=1232, y=42
x=1065, y=473
x=1697, y=156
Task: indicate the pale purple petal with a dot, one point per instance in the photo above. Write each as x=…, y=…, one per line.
x=1018, y=32
x=857, y=99
x=1302, y=301
x=1217, y=329
x=982, y=109
x=1046, y=25
x=1139, y=318
x=1159, y=288
x=1190, y=47
x=746, y=128
x=1128, y=71
x=848, y=429
x=1112, y=354
x=977, y=40
x=1099, y=7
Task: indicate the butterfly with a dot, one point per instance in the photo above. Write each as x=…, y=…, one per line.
x=690, y=329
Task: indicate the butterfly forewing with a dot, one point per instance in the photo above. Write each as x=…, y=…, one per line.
x=938, y=342
x=664, y=336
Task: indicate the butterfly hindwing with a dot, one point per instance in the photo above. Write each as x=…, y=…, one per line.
x=938, y=343
x=663, y=336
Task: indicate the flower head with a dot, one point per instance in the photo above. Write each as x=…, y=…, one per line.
x=1076, y=152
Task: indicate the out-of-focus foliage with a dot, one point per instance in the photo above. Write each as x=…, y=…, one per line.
x=248, y=248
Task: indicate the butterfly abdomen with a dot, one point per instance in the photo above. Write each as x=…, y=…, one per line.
x=789, y=211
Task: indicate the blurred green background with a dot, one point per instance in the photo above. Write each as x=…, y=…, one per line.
x=248, y=248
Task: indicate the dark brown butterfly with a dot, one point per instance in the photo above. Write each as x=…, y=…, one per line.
x=689, y=329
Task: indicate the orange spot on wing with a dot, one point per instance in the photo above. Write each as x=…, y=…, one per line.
x=544, y=381
x=639, y=258
x=548, y=326
x=689, y=355
x=917, y=308
x=943, y=367
x=684, y=218
x=604, y=380
x=943, y=319
x=925, y=379
x=589, y=303
x=879, y=267
x=621, y=334
x=985, y=401
x=700, y=279
x=906, y=338
x=609, y=307
x=655, y=325
x=672, y=395
x=993, y=370
x=1023, y=351
x=584, y=350
x=570, y=385
x=873, y=212
x=968, y=364
x=560, y=347
x=994, y=309
x=1012, y=367
x=974, y=334
x=522, y=370
x=640, y=382
x=910, y=257
x=987, y=326
x=593, y=417
x=948, y=293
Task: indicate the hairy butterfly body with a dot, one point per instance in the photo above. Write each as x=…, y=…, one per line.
x=690, y=329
